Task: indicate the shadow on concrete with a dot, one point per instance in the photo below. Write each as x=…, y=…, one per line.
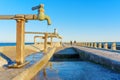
x=35, y=47
x=67, y=54
x=7, y=59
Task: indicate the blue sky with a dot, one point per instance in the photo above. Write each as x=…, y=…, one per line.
x=80, y=20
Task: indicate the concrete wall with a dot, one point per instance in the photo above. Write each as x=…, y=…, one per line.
x=111, y=64
x=10, y=51
x=29, y=73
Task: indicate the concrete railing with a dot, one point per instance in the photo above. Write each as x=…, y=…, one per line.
x=98, y=45
x=99, y=58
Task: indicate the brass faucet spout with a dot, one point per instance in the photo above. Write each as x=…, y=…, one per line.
x=41, y=16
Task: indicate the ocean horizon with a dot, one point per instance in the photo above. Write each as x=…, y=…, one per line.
x=30, y=43
x=13, y=43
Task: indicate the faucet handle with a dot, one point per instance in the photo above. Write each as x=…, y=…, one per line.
x=38, y=7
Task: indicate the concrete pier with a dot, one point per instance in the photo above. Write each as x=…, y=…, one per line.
x=106, y=58
x=28, y=73
x=29, y=70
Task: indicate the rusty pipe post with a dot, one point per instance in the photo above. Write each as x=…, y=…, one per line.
x=51, y=41
x=34, y=40
x=20, y=37
x=45, y=42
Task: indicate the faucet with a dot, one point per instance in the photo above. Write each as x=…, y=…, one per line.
x=41, y=16
x=55, y=31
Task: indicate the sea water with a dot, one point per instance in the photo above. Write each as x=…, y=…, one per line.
x=76, y=70
x=69, y=69
x=12, y=44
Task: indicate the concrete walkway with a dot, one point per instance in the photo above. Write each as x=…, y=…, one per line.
x=108, y=54
x=8, y=74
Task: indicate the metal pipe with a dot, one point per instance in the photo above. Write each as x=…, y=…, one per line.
x=34, y=32
x=6, y=17
x=16, y=17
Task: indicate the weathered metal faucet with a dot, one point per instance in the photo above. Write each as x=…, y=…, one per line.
x=41, y=15
x=20, y=33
